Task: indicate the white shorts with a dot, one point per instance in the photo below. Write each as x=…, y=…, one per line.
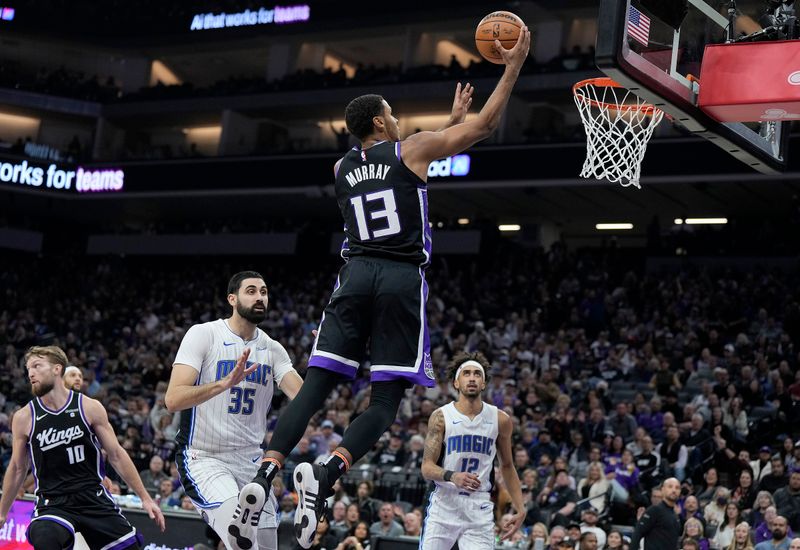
x=451, y=518
x=213, y=478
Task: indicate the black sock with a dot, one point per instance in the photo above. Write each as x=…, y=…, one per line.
x=336, y=468
x=266, y=473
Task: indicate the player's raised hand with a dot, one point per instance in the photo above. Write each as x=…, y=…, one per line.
x=466, y=481
x=511, y=525
x=517, y=55
x=461, y=103
x=240, y=371
x=154, y=512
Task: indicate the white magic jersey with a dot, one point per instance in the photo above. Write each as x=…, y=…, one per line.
x=236, y=418
x=469, y=445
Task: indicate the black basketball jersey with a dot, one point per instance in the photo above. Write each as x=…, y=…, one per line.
x=384, y=206
x=64, y=450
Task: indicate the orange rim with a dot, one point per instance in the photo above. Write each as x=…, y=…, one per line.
x=605, y=82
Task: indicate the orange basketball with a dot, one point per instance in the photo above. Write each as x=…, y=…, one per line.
x=498, y=25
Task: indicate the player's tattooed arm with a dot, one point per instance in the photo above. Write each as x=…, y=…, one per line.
x=433, y=447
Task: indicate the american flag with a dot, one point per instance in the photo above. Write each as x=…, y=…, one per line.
x=639, y=26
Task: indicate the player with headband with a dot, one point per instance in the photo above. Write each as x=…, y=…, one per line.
x=463, y=439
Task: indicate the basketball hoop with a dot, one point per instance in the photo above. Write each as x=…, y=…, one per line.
x=618, y=127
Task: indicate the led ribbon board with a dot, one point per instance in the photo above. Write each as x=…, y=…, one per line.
x=278, y=15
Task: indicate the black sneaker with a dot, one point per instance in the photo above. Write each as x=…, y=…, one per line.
x=244, y=524
x=311, y=484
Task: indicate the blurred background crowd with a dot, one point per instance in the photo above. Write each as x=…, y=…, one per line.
x=615, y=377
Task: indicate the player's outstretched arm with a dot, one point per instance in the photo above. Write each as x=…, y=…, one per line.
x=509, y=475
x=20, y=461
x=433, y=449
x=182, y=393
x=420, y=149
x=119, y=459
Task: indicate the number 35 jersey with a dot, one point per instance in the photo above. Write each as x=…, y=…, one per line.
x=384, y=205
x=235, y=419
x=469, y=445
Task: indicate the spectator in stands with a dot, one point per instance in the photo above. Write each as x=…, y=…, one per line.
x=664, y=381
x=326, y=436
x=303, y=452
x=412, y=526
x=577, y=454
x=735, y=418
x=648, y=462
x=777, y=478
x=614, y=540
x=622, y=423
x=588, y=541
x=589, y=518
x=368, y=507
x=779, y=540
x=674, y=453
x=715, y=511
x=338, y=523
x=557, y=534
x=710, y=481
x=691, y=509
x=386, y=526
x=167, y=498
x=762, y=466
x=763, y=501
x=595, y=487
x=393, y=454
x=416, y=448
x=624, y=477
x=352, y=516
x=539, y=531
x=763, y=531
x=742, y=540
x=745, y=493
x=544, y=446
x=725, y=530
x=557, y=504
x=357, y=538
x=787, y=500
x=693, y=529
x=152, y=477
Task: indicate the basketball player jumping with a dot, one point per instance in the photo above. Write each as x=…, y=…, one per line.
x=63, y=431
x=224, y=374
x=380, y=293
x=463, y=439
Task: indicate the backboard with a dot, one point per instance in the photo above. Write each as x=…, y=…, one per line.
x=660, y=63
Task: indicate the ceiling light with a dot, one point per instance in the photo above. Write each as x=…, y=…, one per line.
x=463, y=221
x=508, y=227
x=612, y=226
x=678, y=221
x=706, y=221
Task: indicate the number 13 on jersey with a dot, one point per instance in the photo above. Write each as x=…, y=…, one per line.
x=388, y=211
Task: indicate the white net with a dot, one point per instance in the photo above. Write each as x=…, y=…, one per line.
x=618, y=127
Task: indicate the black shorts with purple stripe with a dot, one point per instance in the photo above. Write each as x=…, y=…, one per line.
x=93, y=514
x=382, y=302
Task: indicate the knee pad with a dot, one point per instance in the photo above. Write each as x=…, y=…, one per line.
x=45, y=534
